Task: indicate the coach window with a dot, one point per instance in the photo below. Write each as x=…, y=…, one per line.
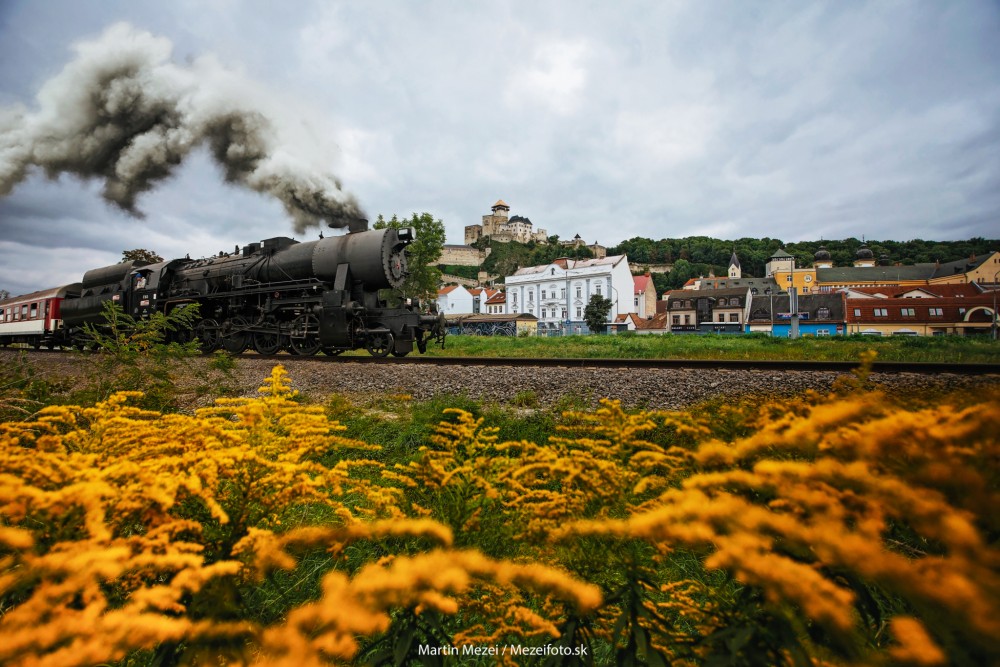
x=24, y=312
x=34, y=311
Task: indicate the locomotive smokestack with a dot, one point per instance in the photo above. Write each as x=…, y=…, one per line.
x=357, y=225
x=122, y=113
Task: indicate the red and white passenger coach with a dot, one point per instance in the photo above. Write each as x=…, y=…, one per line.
x=34, y=318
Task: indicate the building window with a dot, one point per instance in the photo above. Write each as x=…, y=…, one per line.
x=734, y=317
x=597, y=288
x=579, y=293
x=907, y=312
x=881, y=312
x=676, y=320
x=579, y=312
x=563, y=313
x=822, y=332
x=687, y=319
x=857, y=312
x=636, y=302
x=562, y=293
x=543, y=295
x=936, y=312
x=823, y=313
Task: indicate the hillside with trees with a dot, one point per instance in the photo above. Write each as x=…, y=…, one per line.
x=694, y=256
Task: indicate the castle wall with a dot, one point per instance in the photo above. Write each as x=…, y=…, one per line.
x=462, y=255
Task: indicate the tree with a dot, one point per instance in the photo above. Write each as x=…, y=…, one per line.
x=596, y=313
x=142, y=255
x=422, y=255
x=4, y=294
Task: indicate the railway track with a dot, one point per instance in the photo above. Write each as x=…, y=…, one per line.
x=927, y=368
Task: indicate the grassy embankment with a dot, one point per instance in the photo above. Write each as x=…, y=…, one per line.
x=835, y=348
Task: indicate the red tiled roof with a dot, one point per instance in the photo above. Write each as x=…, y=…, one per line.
x=944, y=290
x=642, y=283
x=658, y=321
x=447, y=290
x=953, y=309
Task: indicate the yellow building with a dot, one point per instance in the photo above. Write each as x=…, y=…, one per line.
x=781, y=267
x=867, y=272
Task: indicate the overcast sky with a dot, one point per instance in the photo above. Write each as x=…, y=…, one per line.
x=790, y=120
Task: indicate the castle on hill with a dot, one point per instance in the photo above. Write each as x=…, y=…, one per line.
x=499, y=226
x=503, y=227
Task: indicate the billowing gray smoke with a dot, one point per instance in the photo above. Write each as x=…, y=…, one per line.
x=123, y=113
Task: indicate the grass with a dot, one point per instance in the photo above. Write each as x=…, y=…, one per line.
x=948, y=349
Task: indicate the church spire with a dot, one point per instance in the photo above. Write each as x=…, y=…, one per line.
x=735, y=270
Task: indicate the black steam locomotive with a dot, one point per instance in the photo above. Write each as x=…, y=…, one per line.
x=275, y=295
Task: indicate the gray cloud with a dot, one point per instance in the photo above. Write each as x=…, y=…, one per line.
x=657, y=119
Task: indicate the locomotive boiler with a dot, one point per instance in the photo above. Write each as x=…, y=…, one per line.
x=273, y=295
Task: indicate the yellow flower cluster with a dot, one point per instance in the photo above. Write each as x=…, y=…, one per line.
x=118, y=524
x=852, y=529
x=815, y=498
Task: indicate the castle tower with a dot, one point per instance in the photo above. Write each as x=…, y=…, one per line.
x=492, y=223
x=500, y=209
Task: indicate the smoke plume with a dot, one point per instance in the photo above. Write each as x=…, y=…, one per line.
x=122, y=113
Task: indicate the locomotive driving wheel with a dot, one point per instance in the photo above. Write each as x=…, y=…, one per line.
x=304, y=337
x=379, y=344
x=267, y=342
x=235, y=339
x=210, y=335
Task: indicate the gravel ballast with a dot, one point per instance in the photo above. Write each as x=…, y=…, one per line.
x=651, y=388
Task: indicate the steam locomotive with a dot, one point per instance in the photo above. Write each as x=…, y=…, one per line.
x=279, y=294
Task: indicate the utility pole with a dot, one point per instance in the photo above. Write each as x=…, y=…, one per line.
x=995, y=287
x=793, y=306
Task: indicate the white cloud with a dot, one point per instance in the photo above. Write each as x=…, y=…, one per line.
x=554, y=77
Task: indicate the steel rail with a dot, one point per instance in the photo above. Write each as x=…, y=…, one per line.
x=921, y=367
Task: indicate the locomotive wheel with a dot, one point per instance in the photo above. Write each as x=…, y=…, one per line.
x=380, y=344
x=397, y=353
x=422, y=345
x=304, y=339
x=209, y=334
x=234, y=338
x=268, y=343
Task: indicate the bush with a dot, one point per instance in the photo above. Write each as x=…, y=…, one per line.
x=844, y=529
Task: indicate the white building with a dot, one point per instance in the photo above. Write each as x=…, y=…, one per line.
x=558, y=293
x=455, y=300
